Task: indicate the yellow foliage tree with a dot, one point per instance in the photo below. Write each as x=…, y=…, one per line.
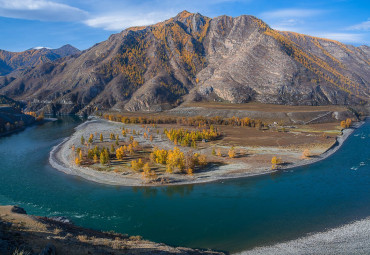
x=137, y=165
x=135, y=144
x=120, y=153
x=78, y=161
x=275, y=161
x=130, y=149
x=306, y=154
x=202, y=160
x=348, y=123
x=95, y=158
x=176, y=159
x=219, y=153
x=91, y=138
x=232, y=153
x=190, y=171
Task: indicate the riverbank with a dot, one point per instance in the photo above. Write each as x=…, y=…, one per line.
x=254, y=164
x=17, y=130
x=41, y=235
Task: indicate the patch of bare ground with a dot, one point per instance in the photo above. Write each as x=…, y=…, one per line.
x=37, y=235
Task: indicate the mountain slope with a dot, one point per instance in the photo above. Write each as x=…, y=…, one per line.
x=192, y=57
x=10, y=61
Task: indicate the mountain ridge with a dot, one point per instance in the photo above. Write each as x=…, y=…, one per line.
x=191, y=57
x=13, y=61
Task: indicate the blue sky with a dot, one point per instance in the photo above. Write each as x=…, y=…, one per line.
x=52, y=23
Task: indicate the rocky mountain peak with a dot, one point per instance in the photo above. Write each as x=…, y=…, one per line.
x=193, y=57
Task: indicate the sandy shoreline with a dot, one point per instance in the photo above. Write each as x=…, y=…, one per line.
x=60, y=158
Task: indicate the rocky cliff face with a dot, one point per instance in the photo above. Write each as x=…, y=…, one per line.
x=192, y=57
x=11, y=61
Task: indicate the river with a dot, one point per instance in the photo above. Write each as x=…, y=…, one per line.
x=232, y=215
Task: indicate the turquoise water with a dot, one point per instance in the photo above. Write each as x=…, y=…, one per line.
x=231, y=215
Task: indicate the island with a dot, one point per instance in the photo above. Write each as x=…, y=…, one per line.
x=183, y=147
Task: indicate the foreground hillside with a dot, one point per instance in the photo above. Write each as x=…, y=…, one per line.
x=40, y=235
x=195, y=58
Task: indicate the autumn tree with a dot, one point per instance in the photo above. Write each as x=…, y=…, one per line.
x=348, y=123
x=148, y=174
x=130, y=149
x=190, y=171
x=232, y=152
x=82, y=140
x=78, y=161
x=90, y=154
x=275, y=161
x=219, y=153
x=137, y=165
x=103, y=158
x=202, y=160
x=91, y=138
x=95, y=158
x=306, y=154
x=120, y=153
x=175, y=159
x=101, y=138
x=146, y=168
x=135, y=144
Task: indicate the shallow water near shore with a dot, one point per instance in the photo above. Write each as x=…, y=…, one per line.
x=232, y=215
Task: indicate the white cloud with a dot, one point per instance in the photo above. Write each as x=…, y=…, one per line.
x=344, y=37
x=40, y=47
x=120, y=21
x=291, y=13
x=40, y=10
x=365, y=26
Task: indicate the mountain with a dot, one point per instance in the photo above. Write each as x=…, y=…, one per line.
x=10, y=61
x=195, y=58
